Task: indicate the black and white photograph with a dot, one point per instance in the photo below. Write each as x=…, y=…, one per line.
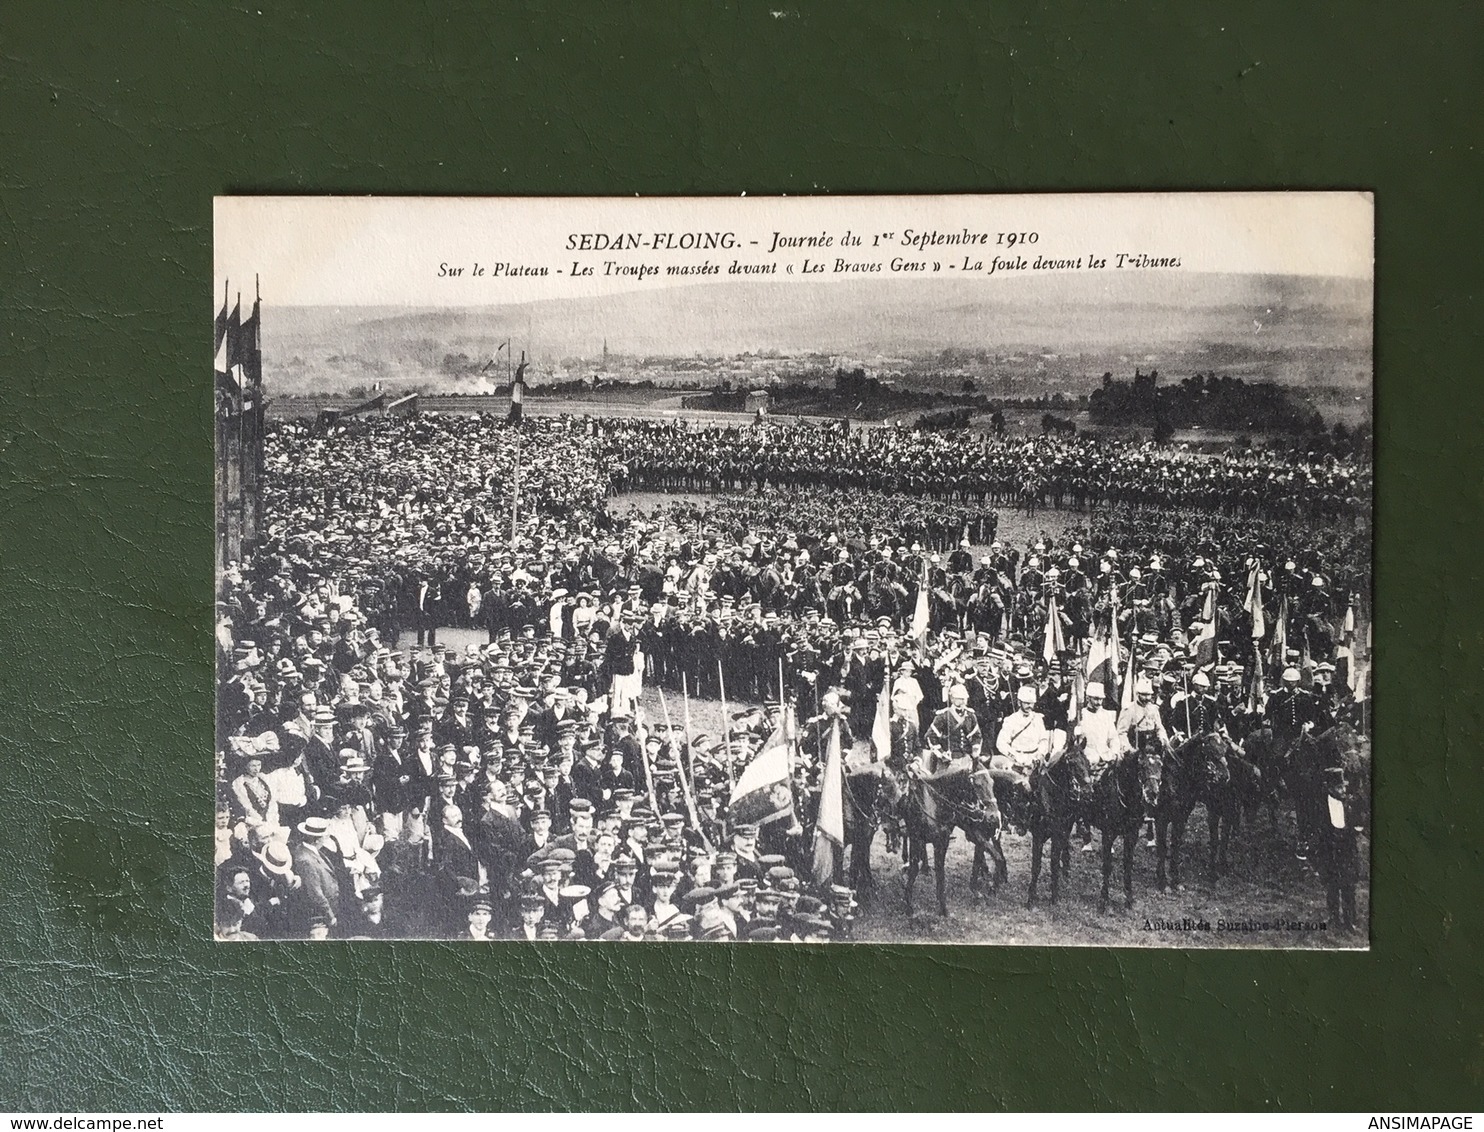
x=911, y=570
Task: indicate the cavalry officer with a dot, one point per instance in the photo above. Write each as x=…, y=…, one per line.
x=1144, y=731
x=955, y=729
x=1207, y=715
x=1292, y=710
x=1102, y=742
x=1023, y=740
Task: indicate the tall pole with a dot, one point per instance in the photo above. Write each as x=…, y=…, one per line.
x=515, y=498
x=726, y=724
x=690, y=757
x=690, y=802
x=258, y=410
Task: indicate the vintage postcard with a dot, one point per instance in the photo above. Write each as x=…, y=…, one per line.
x=956, y=569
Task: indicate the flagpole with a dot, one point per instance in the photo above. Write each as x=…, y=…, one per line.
x=648, y=775
x=515, y=497
x=690, y=759
x=690, y=803
x=726, y=725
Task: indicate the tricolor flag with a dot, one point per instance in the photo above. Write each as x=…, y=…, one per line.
x=225, y=350
x=764, y=792
x=1254, y=601
x=1130, y=679
x=233, y=339
x=220, y=328
x=919, y=627
x=1102, y=660
x=1257, y=692
x=829, y=827
x=1203, y=644
x=881, y=725
x=1213, y=591
x=1054, y=644
x=1278, y=648
x=1345, y=651
x=1363, y=675
x=249, y=354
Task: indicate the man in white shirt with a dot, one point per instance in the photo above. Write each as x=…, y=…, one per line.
x=1023, y=741
x=1098, y=728
x=1144, y=731
x=1102, y=742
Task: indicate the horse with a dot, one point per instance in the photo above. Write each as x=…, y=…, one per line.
x=1054, y=793
x=1267, y=755
x=932, y=806
x=986, y=609
x=960, y=596
x=869, y=795
x=1115, y=807
x=1191, y=776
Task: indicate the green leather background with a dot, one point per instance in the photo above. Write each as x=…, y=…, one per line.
x=118, y=122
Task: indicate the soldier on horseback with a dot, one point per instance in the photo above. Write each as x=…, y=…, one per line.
x=1144, y=731
x=955, y=736
x=1100, y=742
x=1022, y=744
x=1207, y=716
x=1293, y=711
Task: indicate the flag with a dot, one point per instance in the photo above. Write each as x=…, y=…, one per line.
x=1208, y=610
x=764, y=793
x=919, y=625
x=1278, y=650
x=881, y=725
x=221, y=328
x=250, y=351
x=829, y=827
x=1203, y=644
x=1102, y=660
x=1345, y=652
x=1130, y=678
x=1257, y=692
x=1363, y=674
x=233, y=339
x=1055, y=644
x=1254, y=601
x=223, y=351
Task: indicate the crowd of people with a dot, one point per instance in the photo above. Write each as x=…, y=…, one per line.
x=374, y=783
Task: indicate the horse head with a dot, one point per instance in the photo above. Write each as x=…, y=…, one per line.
x=1151, y=763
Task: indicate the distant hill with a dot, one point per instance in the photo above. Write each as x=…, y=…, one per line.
x=1296, y=329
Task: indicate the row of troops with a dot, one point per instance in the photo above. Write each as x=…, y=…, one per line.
x=415, y=584
x=1082, y=471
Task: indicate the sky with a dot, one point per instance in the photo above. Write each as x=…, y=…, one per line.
x=404, y=251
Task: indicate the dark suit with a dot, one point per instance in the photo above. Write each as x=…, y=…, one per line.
x=319, y=894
